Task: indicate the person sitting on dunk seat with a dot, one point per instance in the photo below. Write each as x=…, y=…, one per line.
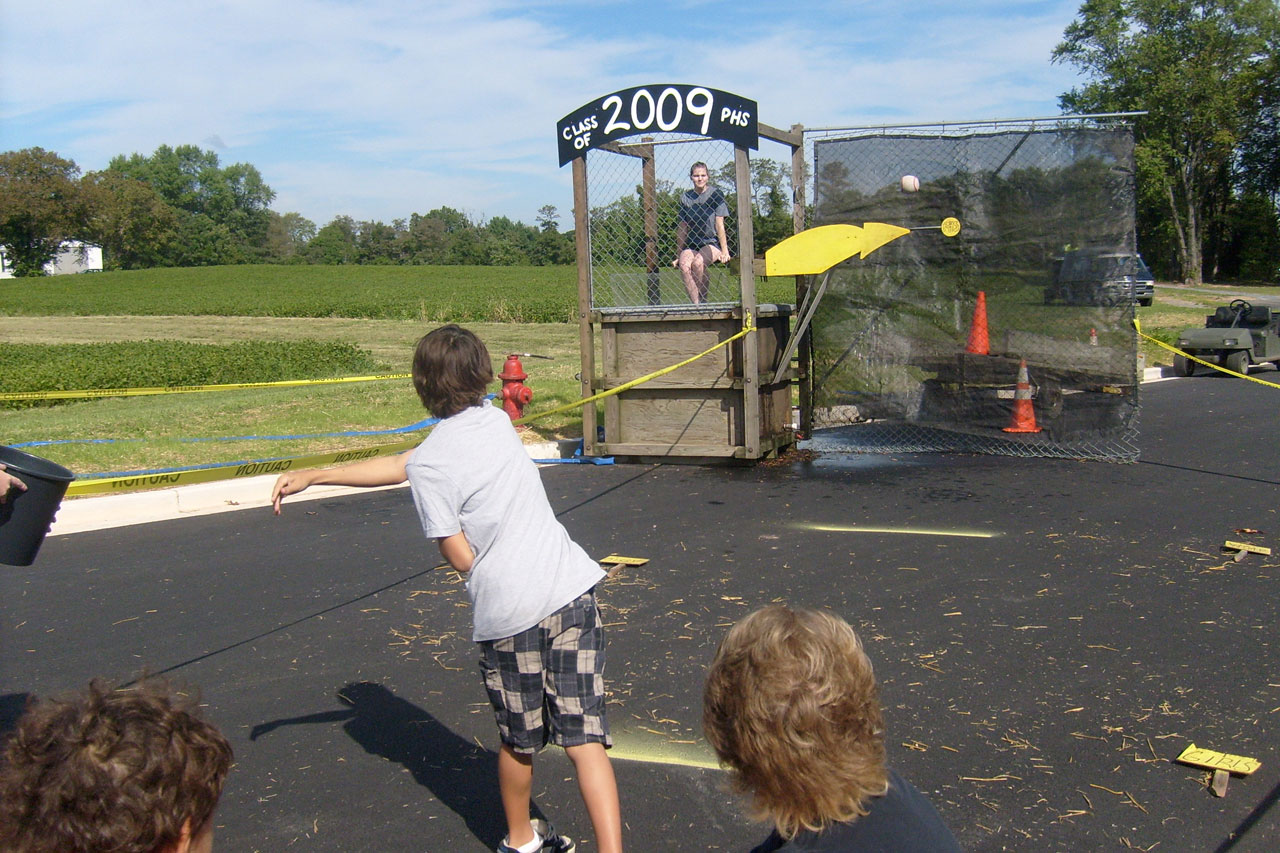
x=700, y=234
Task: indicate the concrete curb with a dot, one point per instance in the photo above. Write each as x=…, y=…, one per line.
x=107, y=511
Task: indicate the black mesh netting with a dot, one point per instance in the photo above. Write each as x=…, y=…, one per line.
x=1047, y=239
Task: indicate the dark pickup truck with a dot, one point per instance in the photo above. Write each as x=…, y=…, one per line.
x=1096, y=277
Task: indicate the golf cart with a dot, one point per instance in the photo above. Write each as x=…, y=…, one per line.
x=1234, y=335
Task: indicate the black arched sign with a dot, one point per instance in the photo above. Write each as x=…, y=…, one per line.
x=658, y=108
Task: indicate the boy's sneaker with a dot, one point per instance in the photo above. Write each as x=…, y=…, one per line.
x=552, y=842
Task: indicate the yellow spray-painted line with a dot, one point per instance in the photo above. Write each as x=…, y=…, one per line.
x=651, y=747
x=207, y=474
x=147, y=391
x=622, y=753
x=913, y=531
x=1137, y=325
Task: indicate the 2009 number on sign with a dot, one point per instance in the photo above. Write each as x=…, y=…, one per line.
x=668, y=110
x=676, y=108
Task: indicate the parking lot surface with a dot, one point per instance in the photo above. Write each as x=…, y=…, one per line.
x=1048, y=635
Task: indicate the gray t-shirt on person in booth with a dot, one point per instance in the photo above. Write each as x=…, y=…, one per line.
x=699, y=212
x=473, y=475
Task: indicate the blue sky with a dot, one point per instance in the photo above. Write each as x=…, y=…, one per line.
x=381, y=108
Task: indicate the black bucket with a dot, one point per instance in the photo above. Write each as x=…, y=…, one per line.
x=25, y=517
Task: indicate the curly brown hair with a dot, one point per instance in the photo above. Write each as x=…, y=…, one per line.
x=451, y=370
x=791, y=708
x=110, y=770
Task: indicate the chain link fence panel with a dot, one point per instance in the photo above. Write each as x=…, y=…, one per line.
x=1047, y=242
x=634, y=203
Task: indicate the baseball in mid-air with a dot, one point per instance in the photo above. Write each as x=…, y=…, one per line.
x=910, y=183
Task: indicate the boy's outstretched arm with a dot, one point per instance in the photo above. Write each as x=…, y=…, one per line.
x=378, y=471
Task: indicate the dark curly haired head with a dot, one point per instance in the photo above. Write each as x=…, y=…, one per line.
x=126, y=770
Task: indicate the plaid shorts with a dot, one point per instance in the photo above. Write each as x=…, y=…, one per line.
x=546, y=684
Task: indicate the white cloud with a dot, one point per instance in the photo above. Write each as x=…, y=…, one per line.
x=382, y=108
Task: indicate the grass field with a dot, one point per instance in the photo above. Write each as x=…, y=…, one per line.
x=425, y=293
x=380, y=310
x=433, y=294
x=170, y=430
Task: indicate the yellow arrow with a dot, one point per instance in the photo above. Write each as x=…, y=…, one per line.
x=818, y=249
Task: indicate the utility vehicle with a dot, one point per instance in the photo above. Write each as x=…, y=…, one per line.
x=1235, y=336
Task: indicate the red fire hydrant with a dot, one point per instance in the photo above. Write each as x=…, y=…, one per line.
x=515, y=394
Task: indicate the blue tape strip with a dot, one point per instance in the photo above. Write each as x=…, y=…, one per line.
x=577, y=459
x=580, y=460
x=423, y=424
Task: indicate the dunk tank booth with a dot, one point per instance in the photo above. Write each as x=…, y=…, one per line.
x=934, y=345
x=631, y=153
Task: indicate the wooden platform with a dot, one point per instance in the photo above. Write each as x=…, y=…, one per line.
x=720, y=407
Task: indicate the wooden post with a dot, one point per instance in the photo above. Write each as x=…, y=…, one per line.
x=747, y=283
x=586, y=341
x=805, y=351
x=649, y=201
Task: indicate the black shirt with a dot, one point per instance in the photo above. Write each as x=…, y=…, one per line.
x=902, y=821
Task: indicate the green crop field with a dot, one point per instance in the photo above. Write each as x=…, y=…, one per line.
x=430, y=293
x=427, y=293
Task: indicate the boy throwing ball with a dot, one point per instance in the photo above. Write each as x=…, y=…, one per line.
x=542, y=647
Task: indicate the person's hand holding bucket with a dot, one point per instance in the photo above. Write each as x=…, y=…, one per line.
x=27, y=503
x=7, y=482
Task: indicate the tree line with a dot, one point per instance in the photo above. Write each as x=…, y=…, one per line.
x=1206, y=73
x=181, y=207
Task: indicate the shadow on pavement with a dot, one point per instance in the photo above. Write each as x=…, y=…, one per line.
x=460, y=773
x=1258, y=813
x=11, y=707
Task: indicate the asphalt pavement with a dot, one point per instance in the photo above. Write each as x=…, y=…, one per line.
x=1048, y=635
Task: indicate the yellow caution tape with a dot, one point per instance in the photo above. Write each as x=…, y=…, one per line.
x=234, y=470
x=185, y=389
x=1137, y=325
x=114, y=485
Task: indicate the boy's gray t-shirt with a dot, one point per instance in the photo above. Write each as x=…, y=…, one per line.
x=473, y=475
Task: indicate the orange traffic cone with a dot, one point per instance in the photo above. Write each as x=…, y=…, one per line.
x=979, y=344
x=1024, y=414
x=1093, y=337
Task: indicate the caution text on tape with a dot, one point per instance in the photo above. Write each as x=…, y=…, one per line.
x=230, y=471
